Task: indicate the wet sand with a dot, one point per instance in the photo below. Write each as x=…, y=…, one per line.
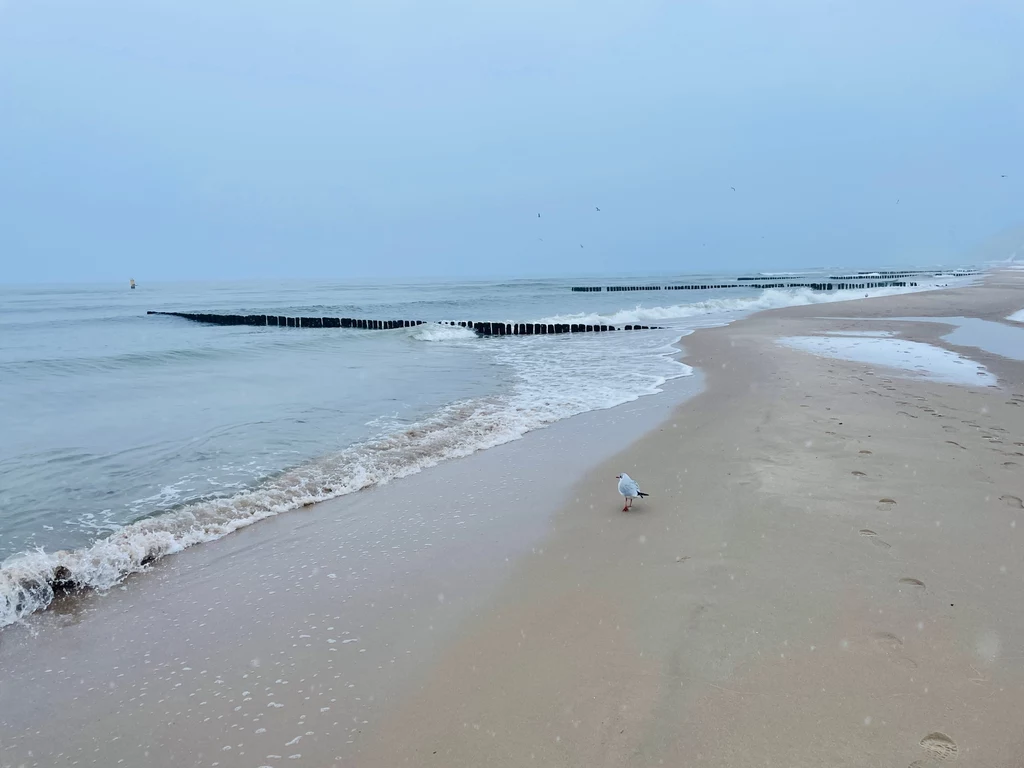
x=827, y=572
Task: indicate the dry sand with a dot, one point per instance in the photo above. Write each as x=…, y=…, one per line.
x=827, y=572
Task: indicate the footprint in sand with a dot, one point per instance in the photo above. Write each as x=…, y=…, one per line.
x=887, y=641
x=911, y=582
x=1014, y=502
x=1010, y=464
x=904, y=413
x=957, y=445
x=858, y=473
x=939, y=746
x=864, y=453
x=892, y=646
x=873, y=538
x=886, y=504
x=948, y=428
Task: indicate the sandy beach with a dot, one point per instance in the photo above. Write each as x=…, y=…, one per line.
x=827, y=572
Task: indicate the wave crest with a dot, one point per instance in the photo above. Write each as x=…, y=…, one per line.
x=772, y=298
x=437, y=332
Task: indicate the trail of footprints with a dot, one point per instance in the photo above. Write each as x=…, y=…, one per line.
x=938, y=746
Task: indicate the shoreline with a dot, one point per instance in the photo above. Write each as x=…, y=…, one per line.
x=34, y=578
x=396, y=568
x=536, y=641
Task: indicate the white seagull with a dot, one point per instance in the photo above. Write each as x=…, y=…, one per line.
x=629, y=489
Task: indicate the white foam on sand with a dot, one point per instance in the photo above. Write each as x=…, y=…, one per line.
x=923, y=360
x=1017, y=317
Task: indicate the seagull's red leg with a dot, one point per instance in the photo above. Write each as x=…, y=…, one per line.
x=625, y=505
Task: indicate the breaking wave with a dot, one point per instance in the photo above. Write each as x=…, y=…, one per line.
x=773, y=298
x=437, y=332
x=30, y=580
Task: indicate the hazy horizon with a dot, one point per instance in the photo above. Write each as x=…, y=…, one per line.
x=184, y=141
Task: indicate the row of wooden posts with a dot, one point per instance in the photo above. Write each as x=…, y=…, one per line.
x=481, y=328
x=718, y=286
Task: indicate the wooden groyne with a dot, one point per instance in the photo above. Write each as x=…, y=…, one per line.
x=969, y=272
x=763, y=285
x=480, y=328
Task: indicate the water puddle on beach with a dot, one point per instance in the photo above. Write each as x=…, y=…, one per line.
x=923, y=360
x=997, y=338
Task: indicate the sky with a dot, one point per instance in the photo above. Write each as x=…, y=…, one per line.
x=190, y=139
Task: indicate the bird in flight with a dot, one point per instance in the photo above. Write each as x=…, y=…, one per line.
x=733, y=188
x=630, y=490
x=1001, y=176
x=596, y=208
x=538, y=215
x=581, y=245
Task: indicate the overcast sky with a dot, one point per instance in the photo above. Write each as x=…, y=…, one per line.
x=167, y=139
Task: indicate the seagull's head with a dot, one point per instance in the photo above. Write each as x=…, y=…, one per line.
x=618, y=477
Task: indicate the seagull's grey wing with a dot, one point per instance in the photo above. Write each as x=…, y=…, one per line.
x=628, y=487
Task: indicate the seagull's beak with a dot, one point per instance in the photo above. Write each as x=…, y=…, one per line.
x=618, y=477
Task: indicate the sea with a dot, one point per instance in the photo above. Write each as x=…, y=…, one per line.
x=126, y=437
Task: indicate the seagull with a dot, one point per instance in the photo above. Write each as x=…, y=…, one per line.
x=733, y=188
x=538, y=215
x=629, y=489
x=598, y=209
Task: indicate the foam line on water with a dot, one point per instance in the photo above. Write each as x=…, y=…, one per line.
x=773, y=298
